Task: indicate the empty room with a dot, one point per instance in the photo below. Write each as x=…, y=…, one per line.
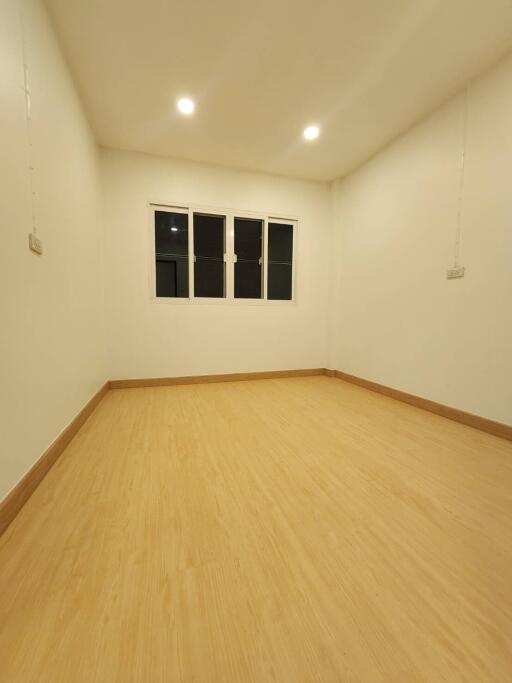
x=256, y=341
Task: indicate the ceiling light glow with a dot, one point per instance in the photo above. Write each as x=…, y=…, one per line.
x=311, y=132
x=185, y=105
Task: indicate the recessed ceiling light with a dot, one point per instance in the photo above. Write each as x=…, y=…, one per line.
x=174, y=229
x=185, y=105
x=311, y=132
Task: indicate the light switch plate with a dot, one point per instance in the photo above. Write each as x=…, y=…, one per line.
x=35, y=243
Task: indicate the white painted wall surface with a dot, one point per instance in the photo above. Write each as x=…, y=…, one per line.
x=148, y=339
x=396, y=319
x=52, y=357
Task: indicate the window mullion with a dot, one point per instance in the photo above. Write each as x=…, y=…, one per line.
x=230, y=261
x=191, y=255
x=294, y=257
x=265, y=258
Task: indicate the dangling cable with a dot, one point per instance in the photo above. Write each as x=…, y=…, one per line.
x=462, y=172
x=28, y=120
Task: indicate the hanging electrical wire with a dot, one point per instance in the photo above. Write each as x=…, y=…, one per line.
x=28, y=120
x=462, y=173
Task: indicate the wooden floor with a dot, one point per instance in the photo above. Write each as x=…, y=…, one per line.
x=289, y=530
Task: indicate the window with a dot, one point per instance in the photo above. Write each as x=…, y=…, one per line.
x=248, y=248
x=280, y=261
x=209, y=251
x=171, y=252
x=222, y=256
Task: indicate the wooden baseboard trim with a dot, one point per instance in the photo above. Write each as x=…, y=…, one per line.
x=481, y=423
x=16, y=499
x=206, y=379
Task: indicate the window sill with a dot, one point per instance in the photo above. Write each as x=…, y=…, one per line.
x=206, y=301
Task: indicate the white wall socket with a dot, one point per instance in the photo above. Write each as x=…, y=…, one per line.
x=35, y=243
x=453, y=273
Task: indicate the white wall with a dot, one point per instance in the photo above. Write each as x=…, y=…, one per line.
x=148, y=339
x=52, y=357
x=396, y=319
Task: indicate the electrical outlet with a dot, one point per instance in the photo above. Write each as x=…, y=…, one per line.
x=453, y=273
x=35, y=243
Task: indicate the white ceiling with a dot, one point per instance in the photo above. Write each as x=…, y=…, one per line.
x=260, y=71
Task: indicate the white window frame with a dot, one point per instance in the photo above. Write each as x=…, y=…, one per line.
x=229, y=215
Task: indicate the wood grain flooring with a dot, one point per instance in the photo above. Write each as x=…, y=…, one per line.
x=288, y=530
x=18, y=496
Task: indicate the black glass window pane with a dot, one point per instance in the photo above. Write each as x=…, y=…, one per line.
x=279, y=281
x=280, y=256
x=280, y=243
x=166, y=284
x=171, y=233
x=171, y=246
x=209, y=277
x=209, y=248
x=248, y=238
x=248, y=249
x=172, y=276
x=247, y=280
x=209, y=236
